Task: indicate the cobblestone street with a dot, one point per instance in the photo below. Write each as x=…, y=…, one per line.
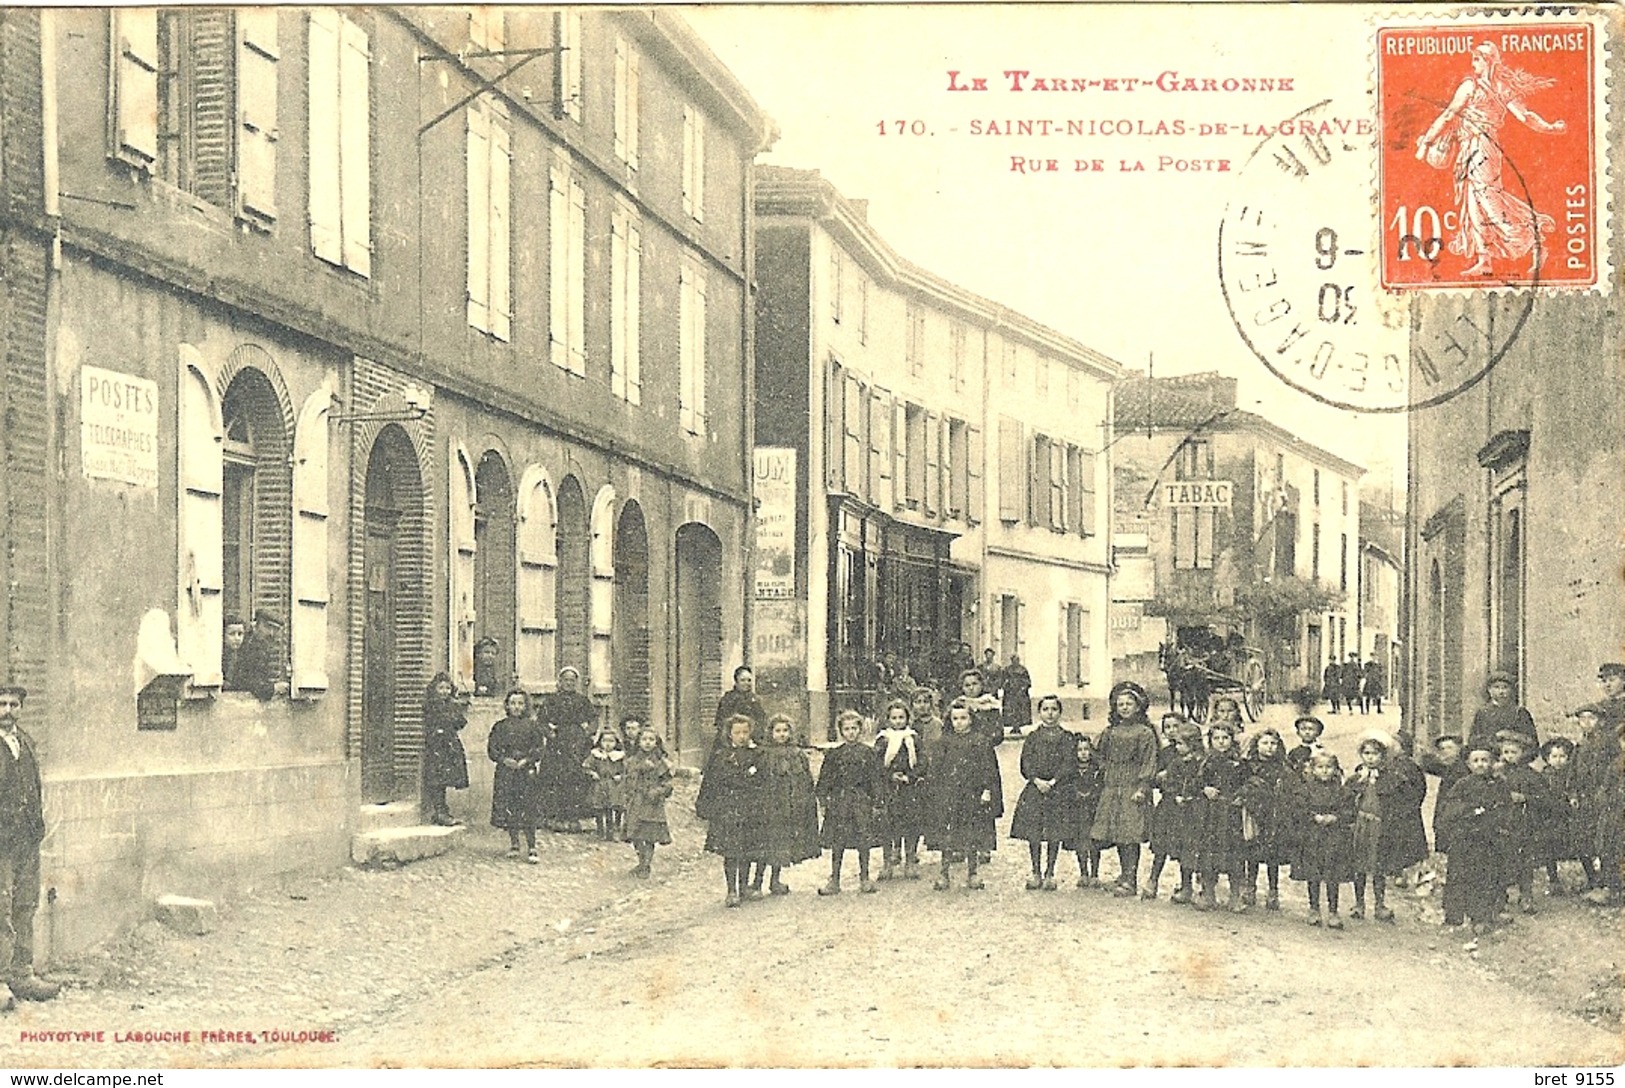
x=472, y=959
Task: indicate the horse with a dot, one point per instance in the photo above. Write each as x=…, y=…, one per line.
x=1188, y=687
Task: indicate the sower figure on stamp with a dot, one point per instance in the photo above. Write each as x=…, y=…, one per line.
x=22, y=827
x=1493, y=222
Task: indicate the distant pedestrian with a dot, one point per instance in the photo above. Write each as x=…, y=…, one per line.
x=1128, y=756
x=730, y=801
x=1267, y=801
x=606, y=797
x=1015, y=685
x=850, y=793
x=903, y=773
x=515, y=745
x=1048, y=762
x=1332, y=684
x=1175, y=822
x=789, y=808
x=648, y=785
x=1219, y=842
x=1388, y=833
x=1373, y=686
x=445, y=761
x=1324, y=837
x=1353, y=681
x=22, y=828
x=1500, y=712
x=1087, y=781
x=966, y=798
x=1474, y=815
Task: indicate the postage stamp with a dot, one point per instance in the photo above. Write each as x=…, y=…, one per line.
x=1489, y=154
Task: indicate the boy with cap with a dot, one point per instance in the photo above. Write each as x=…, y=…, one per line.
x=262, y=661
x=22, y=826
x=1500, y=713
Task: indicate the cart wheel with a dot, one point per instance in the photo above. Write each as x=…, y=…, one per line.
x=1253, y=690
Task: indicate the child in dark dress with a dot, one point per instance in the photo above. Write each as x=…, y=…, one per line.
x=606, y=767
x=966, y=797
x=1526, y=797
x=1267, y=798
x=903, y=771
x=1219, y=841
x=1087, y=781
x=1599, y=775
x=1324, y=837
x=1174, y=822
x=849, y=790
x=1560, y=840
x=1474, y=816
x=789, y=805
x=1308, y=729
x=445, y=762
x=515, y=745
x=1445, y=764
x=1043, y=811
x=730, y=801
x=648, y=785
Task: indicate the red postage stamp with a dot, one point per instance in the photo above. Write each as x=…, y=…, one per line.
x=1488, y=161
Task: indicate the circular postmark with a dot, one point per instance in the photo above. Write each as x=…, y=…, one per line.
x=1300, y=270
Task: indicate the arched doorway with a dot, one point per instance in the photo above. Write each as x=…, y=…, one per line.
x=698, y=634
x=630, y=641
x=495, y=571
x=393, y=619
x=574, y=579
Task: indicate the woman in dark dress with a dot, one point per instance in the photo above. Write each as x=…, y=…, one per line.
x=1049, y=761
x=1015, y=685
x=568, y=718
x=515, y=745
x=445, y=763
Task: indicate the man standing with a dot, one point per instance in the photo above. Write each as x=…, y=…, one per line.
x=22, y=826
x=1351, y=684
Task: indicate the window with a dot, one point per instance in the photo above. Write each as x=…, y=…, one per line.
x=1314, y=552
x=626, y=103
x=958, y=468
x=1012, y=470
x=1286, y=544
x=1317, y=487
x=915, y=339
x=1343, y=562
x=490, y=307
x=195, y=103
x=956, y=357
x=567, y=279
x=625, y=306
x=1345, y=498
x=1280, y=470
x=1506, y=457
x=567, y=70
x=340, y=142
x=1193, y=527
x=1072, y=659
x=835, y=286
x=914, y=421
x=694, y=163
x=691, y=347
x=538, y=571
x=237, y=513
x=1085, y=482
x=863, y=310
x=1039, y=496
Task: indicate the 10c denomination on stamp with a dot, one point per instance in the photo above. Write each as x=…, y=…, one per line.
x=1488, y=168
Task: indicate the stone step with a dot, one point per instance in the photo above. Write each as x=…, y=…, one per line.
x=398, y=845
x=393, y=814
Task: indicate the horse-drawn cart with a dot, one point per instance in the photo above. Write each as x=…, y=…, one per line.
x=1201, y=664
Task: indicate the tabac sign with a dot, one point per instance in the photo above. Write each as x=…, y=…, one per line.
x=118, y=427
x=1197, y=493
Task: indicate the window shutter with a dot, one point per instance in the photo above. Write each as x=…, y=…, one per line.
x=633, y=66
x=620, y=98
x=355, y=146
x=1080, y=643
x=461, y=582
x=699, y=166
x=1061, y=659
x=1086, y=487
x=975, y=497
x=326, y=229
x=257, y=135
x=1021, y=629
x=307, y=630
x=135, y=86
x=879, y=456
x=933, y=464
x=558, y=278
x=951, y=494
x=578, y=278
x=570, y=65
x=1057, y=486
x=617, y=303
x=688, y=160
x=899, y=449
x=501, y=300
x=538, y=562
x=219, y=176
x=835, y=428
x=857, y=482
x=479, y=220
x=198, y=612
x=1012, y=470
x=1038, y=481
x=626, y=103
x=634, y=313
x=602, y=605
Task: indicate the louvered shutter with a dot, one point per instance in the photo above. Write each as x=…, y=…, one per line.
x=879, y=455
x=198, y=613
x=933, y=464
x=975, y=496
x=501, y=300
x=538, y=563
x=634, y=314
x=257, y=135
x=899, y=459
x=479, y=221
x=1086, y=487
x=578, y=278
x=558, y=279
x=355, y=147
x=215, y=171
x=1012, y=470
x=856, y=409
x=135, y=85
x=1061, y=659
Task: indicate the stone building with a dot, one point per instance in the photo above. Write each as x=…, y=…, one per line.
x=947, y=482
x=326, y=313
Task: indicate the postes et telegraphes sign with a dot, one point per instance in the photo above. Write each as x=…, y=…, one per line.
x=118, y=427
